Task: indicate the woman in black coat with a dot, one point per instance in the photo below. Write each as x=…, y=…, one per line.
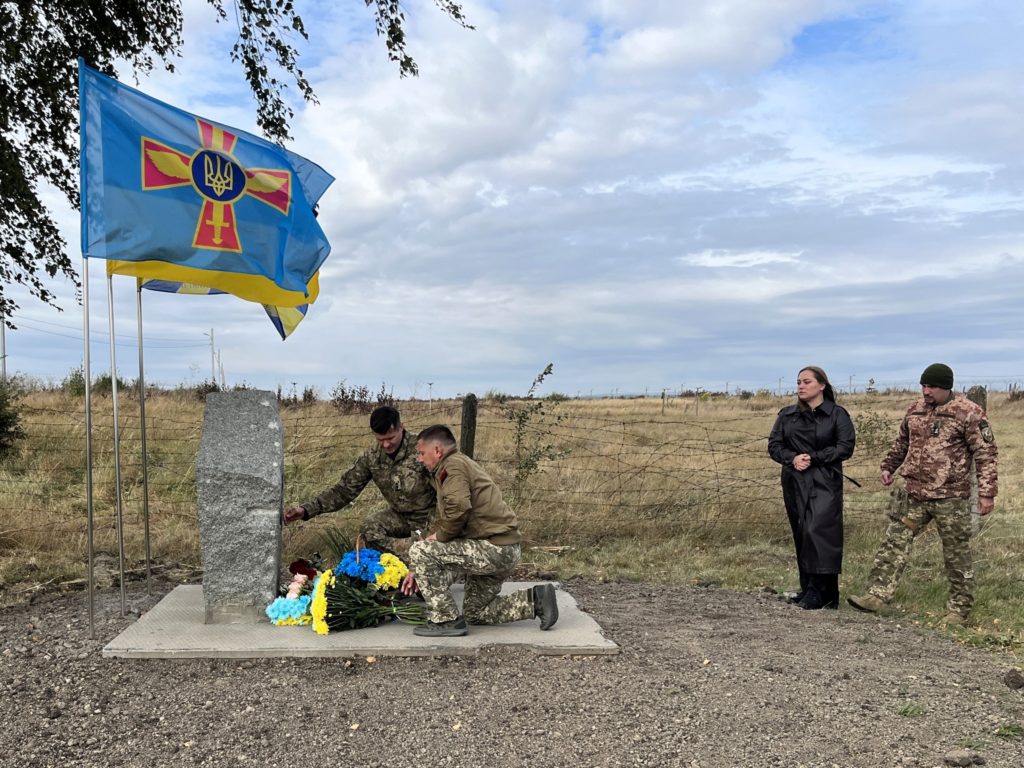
x=811, y=439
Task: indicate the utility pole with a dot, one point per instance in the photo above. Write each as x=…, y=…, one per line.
x=430, y=395
x=778, y=390
x=213, y=362
x=3, y=348
x=220, y=365
x=850, y=388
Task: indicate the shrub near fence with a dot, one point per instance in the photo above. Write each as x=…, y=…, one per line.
x=674, y=491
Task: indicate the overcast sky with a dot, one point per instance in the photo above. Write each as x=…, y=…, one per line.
x=649, y=195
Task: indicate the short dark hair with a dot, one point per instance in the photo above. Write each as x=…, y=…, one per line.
x=384, y=419
x=438, y=433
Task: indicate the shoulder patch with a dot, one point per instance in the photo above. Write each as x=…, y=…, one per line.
x=986, y=431
x=442, y=477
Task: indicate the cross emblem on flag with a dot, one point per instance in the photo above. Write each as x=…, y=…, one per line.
x=218, y=178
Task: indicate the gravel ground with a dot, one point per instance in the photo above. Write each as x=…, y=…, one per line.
x=706, y=677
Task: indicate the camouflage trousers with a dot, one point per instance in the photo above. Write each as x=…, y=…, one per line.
x=485, y=566
x=953, y=521
x=386, y=530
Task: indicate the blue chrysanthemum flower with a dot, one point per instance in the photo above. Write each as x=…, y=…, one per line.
x=367, y=567
x=284, y=608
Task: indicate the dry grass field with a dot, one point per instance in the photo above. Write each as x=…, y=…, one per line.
x=680, y=491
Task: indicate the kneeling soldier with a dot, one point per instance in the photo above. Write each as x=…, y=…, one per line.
x=475, y=535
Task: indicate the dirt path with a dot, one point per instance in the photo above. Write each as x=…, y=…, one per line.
x=706, y=678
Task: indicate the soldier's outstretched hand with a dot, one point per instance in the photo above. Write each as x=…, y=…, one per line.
x=408, y=585
x=985, y=505
x=886, y=477
x=293, y=513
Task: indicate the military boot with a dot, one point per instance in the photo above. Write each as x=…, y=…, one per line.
x=545, y=605
x=953, y=618
x=454, y=628
x=867, y=603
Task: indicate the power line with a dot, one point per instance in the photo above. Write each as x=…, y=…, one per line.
x=101, y=337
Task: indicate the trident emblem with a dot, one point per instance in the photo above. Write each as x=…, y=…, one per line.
x=219, y=175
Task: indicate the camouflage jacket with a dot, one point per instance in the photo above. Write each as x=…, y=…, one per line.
x=935, y=446
x=469, y=504
x=403, y=482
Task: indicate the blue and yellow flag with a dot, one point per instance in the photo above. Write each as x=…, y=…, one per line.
x=285, y=319
x=167, y=195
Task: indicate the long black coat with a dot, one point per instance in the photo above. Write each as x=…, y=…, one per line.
x=814, y=497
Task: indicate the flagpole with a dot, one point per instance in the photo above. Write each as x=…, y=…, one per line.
x=88, y=443
x=3, y=348
x=119, y=512
x=142, y=433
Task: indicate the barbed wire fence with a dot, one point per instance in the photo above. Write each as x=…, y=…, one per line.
x=577, y=475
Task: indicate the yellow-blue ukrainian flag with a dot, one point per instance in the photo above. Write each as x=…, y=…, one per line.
x=285, y=319
x=167, y=195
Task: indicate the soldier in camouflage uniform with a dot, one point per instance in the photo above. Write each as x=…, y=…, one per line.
x=403, y=482
x=940, y=435
x=474, y=535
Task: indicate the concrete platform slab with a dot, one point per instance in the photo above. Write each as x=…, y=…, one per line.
x=174, y=629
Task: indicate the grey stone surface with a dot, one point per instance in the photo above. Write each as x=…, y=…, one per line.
x=174, y=629
x=240, y=493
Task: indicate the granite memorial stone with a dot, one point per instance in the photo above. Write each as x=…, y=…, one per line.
x=240, y=493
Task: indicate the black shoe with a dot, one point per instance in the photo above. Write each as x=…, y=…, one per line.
x=812, y=600
x=821, y=594
x=454, y=628
x=545, y=605
x=794, y=598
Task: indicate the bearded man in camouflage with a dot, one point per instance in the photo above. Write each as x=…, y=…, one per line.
x=403, y=482
x=940, y=435
x=474, y=535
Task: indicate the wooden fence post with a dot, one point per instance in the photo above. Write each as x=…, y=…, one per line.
x=978, y=395
x=468, y=438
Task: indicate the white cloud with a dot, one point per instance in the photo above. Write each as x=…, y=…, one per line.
x=739, y=259
x=643, y=193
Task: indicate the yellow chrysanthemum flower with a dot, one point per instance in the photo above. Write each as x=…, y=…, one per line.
x=393, y=573
x=318, y=606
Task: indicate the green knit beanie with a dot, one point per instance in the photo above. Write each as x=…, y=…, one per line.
x=937, y=375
